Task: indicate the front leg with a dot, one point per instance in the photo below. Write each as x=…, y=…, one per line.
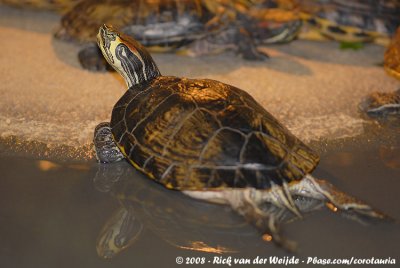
x=91, y=59
x=106, y=149
x=247, y=48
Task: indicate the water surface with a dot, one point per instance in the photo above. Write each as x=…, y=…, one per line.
x=53, y=212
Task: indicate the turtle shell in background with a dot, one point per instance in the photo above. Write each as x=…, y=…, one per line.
x=392, y=56
x=353, y=21
x=83, y=21
x=386, y=104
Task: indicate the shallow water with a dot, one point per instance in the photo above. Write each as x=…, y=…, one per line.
x=52, y=214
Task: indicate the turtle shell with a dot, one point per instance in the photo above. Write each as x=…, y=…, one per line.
x=380, y=16
x=392, y=56
x=203, y=134
x=149, y=21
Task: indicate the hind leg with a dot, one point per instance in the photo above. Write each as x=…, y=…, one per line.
x=256, y=207
x=247, y=47
x=106, y=149
x=267, y=217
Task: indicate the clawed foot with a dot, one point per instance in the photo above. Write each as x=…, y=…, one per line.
x=342, y=203
x=106, y=149
x=253, y=54
x=361, y=213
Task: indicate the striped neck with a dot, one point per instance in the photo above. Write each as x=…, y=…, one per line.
x=136, y=66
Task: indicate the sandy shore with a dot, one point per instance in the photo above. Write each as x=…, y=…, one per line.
x=313, y=88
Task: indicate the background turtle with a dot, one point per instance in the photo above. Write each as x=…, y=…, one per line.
x=171, y=24
x=381, y=104
x=392, y=56
x=210, y=140
x=384, y=104
x=350, y=21
x=193, y=27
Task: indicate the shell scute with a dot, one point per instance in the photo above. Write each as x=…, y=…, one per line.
x=190, y=137
x=218, y=149
x=144, y=105
x=244, y=120
x=261, y=149
x=157, y=128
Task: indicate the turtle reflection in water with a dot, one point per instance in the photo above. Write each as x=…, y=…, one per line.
x=210, y=140
x=183, y=223
x=145, y=206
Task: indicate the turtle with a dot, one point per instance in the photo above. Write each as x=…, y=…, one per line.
x=171, y=25
x=392, y=56
x=350, y=22
x=381, y=104
x=188, y=27
x=210, y=141
x=386, y=104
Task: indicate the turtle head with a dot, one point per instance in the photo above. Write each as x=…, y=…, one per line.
x=127, y=56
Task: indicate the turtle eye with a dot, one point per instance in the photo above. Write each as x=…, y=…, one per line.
x=112, y=36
